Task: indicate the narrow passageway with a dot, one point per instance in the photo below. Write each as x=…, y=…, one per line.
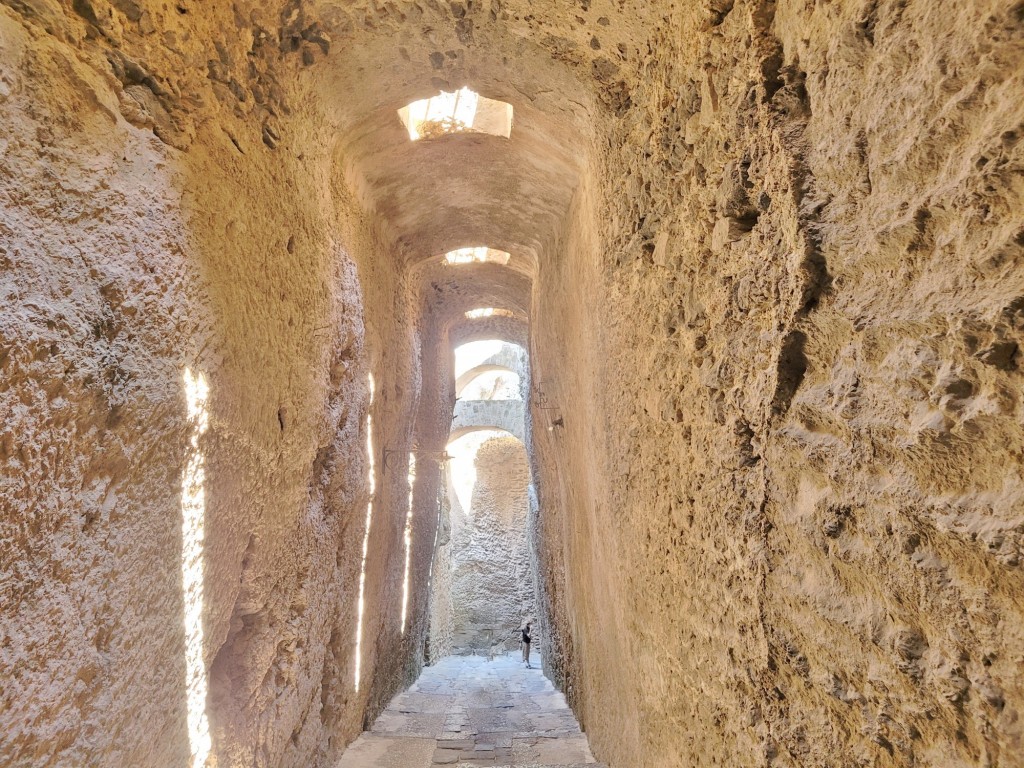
x=468, y=710
x=342, y=340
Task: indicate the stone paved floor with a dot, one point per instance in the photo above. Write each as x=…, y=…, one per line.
x=466, y=711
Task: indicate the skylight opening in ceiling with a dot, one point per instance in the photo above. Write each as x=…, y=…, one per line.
x=473, y=314
x=477, y=255
x=459, y=112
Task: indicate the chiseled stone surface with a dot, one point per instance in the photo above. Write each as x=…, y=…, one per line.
x=466, y=711
x=768, y=257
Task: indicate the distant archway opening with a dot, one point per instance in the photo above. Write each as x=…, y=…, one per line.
x=490, y=383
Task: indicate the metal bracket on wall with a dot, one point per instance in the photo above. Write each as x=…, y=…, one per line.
x=441, y=456
x=540, y=401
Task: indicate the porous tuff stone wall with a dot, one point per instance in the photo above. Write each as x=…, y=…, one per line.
x=149, y=225
x=775, y=256
x=788, y=489
x=492, y=585
x=441, y=623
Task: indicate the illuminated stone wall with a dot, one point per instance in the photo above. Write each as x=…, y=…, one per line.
x=767, y=259
x=492, y=585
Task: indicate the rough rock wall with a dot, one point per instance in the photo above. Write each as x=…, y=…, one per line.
x=492, y=587
x=785, y=486
x=436, y=401
x=95, y=327
x=804, y=237
x=157, y=217
x=441, y=629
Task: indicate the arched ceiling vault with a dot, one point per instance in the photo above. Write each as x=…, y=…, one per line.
x=439, y=194
x=509, y=329
x=447, y=292
x=435, y=195
x=463, y=431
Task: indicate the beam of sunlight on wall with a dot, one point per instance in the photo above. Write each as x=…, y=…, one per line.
x=408, y=541
x=193, y=514
x=437, y=536
x=372, y=483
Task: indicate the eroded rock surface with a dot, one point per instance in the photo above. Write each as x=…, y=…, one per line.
x=492, y=583
x=767, y=257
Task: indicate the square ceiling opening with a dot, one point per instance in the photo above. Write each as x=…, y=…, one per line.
x=463, y=111
x=480, y=254
x=473, y=314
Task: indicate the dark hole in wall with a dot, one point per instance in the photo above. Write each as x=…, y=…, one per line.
x=868, y=22
x=720, y=9
x=771, y=71
x=792, y=367
x=85, y=9
x=818, y=280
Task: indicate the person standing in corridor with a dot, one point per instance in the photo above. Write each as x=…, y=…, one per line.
x=526, y=645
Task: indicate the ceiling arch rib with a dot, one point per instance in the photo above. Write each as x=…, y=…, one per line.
x=465, y=188
x=508, y=329
x=447, y=294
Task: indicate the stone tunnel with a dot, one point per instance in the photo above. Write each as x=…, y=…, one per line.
x=763, y=264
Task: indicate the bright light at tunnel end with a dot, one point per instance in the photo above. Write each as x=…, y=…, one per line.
x=477, y=255
x=459, y=111
x=475, y=314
